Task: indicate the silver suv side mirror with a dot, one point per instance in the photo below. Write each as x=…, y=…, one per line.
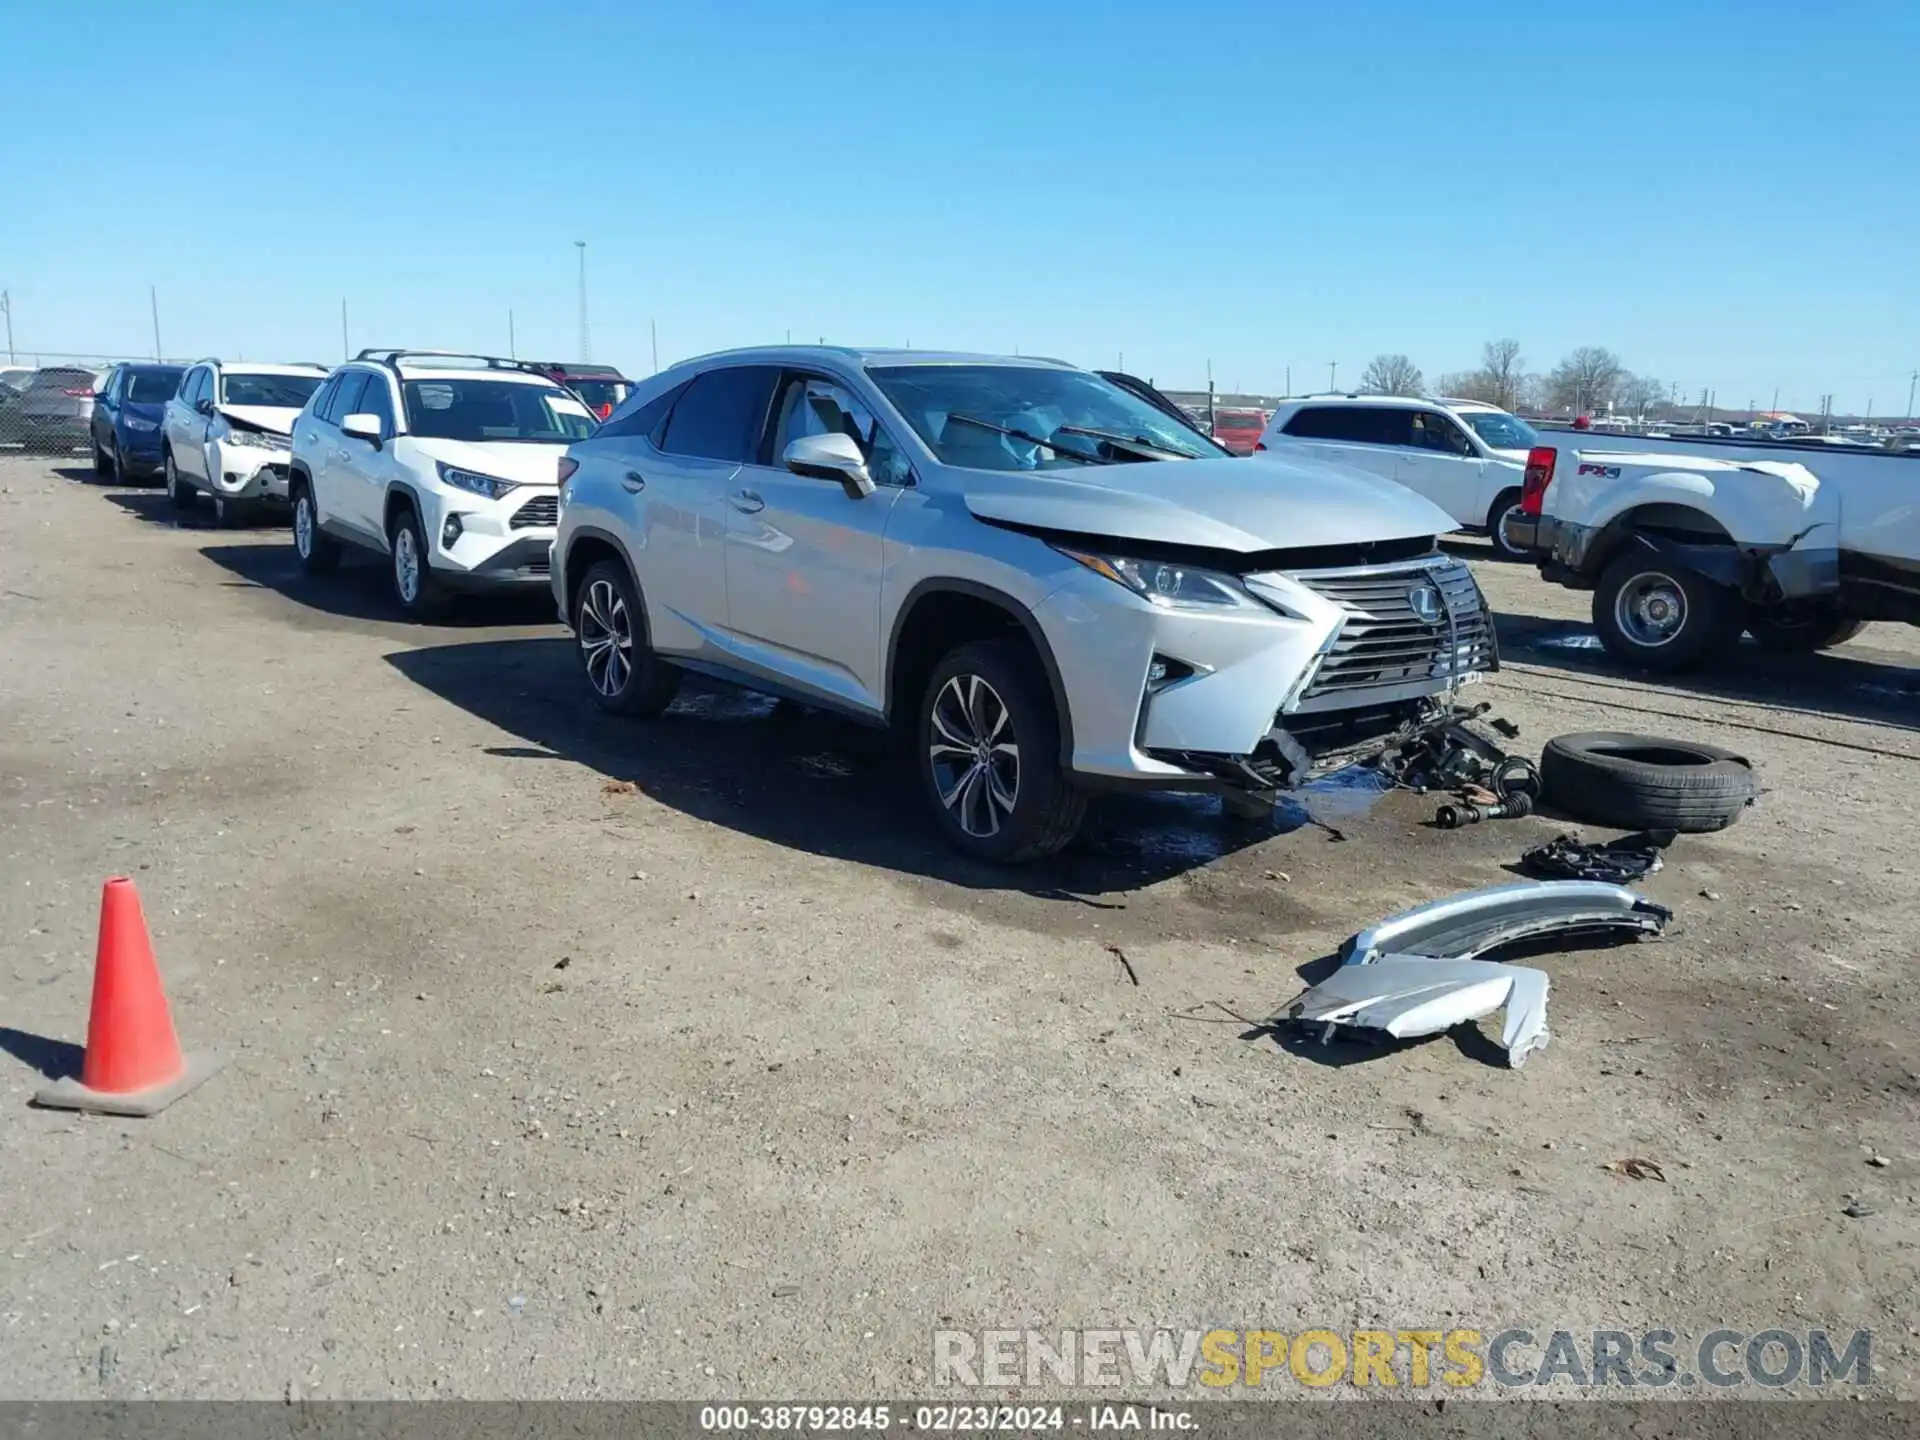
x=830, y=457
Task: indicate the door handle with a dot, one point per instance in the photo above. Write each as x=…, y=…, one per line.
x=747, y=502
x=633, y=482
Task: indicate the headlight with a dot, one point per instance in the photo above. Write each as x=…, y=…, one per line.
x=473, y=482
x=257, y=440
x=1174, y=587
x=134, y=422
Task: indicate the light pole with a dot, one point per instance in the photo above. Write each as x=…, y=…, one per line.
x=6, y=308
x=1911, y=379
x=586, y=349
x=1333, y=369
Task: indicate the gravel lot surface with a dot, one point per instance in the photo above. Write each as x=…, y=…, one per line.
x=574, y=1058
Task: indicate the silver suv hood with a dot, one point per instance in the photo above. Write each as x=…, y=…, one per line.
x=1262, y=503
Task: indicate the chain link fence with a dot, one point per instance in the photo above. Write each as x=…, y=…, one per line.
x=47, y=398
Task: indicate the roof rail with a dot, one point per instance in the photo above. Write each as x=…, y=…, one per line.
x=392, y=356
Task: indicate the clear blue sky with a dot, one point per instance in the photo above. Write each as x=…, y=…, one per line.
x=1725, y=194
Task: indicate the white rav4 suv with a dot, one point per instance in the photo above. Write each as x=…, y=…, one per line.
x=1457, y=454
x=447, y=464
x=226, y=431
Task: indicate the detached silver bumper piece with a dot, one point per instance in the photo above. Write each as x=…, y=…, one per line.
x=1417, y=972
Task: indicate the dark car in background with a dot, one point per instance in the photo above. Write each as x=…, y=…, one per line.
x=126, y=419
x=603, y=387
x=55, y=413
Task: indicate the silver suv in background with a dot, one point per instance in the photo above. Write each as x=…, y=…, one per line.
x=1044, y=580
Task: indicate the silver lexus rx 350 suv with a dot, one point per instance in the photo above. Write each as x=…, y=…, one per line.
x=1050, y=584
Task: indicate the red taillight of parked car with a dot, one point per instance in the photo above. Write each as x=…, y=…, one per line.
x=84, y=393
x=567, y=467
x=1260, y=445
x=1533, y=488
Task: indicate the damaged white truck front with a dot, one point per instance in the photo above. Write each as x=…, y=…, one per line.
x=1683, y=552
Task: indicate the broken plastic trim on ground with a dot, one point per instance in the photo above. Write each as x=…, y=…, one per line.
x=1418, y=973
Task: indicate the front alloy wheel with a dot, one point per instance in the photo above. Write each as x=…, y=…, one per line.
x=975, y=756
x=626, y=677
x=406, y=567
x=989, y=754
x=178, y=491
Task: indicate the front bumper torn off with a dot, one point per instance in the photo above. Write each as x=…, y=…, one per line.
x=1418, y=973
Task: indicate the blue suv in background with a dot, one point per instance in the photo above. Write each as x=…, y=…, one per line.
x=126, y=420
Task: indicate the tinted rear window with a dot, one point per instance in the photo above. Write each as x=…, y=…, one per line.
x=1365, y=424
x=61, y=380
x=721, y=413
x=152, y=387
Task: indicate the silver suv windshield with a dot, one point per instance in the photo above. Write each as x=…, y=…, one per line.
x=1501, y=430
x=490, y=410
x=1027, y=417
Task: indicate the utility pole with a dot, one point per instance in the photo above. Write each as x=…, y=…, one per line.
x=346, y=350
x=1911, y=379
x=1776, y=399
x=1209, y=395
x=1122, y=366
x=653, y=332
x=512, y=353
x=1333, y=369
x=1289, y=380
x=153, y=301
x=586, y=347
x=6, y=307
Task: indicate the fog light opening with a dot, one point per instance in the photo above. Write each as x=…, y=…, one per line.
x=1165, y=672
x=450, y=532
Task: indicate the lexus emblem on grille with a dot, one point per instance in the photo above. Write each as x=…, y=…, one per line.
x=1426, y=603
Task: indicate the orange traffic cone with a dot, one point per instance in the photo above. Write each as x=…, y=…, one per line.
x=133, y=1064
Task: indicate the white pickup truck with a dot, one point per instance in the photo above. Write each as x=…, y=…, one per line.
x=1683, y=552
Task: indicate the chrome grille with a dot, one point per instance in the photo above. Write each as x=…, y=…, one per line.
x=542, y=510
x=1384, y=650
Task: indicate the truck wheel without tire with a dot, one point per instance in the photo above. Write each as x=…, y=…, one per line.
x=1803, y=631
x=1643, y=782
x=1504, y=505
x=318, y=551
x=610, y=629
x=989, y=755
x=419, y=594
x=1659, y=615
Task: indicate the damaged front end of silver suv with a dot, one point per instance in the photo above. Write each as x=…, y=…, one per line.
x=1421, y=972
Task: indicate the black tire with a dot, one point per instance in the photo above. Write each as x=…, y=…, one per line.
x=424, y=597
x=318, y=552
x=230, y=514
x=1504, y=503
x=181, y=495
x=1804, y=630
x=1640, y=592
x=102, y=463
x=1046, y=810
x=622, y=672
x=1644, y=782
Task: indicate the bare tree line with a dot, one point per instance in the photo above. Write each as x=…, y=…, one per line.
x=1588, y=379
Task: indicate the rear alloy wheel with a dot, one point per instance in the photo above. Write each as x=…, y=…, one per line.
x=609, y=626
x=1658, y=615
x=419, y=594
x=319, y=552
x=1506, y=504
x=181, y=494
x=989, y=755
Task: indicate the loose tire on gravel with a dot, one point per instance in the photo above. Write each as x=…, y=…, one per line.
x=988, y=743
x=1803, y=633
x=1645, y=782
